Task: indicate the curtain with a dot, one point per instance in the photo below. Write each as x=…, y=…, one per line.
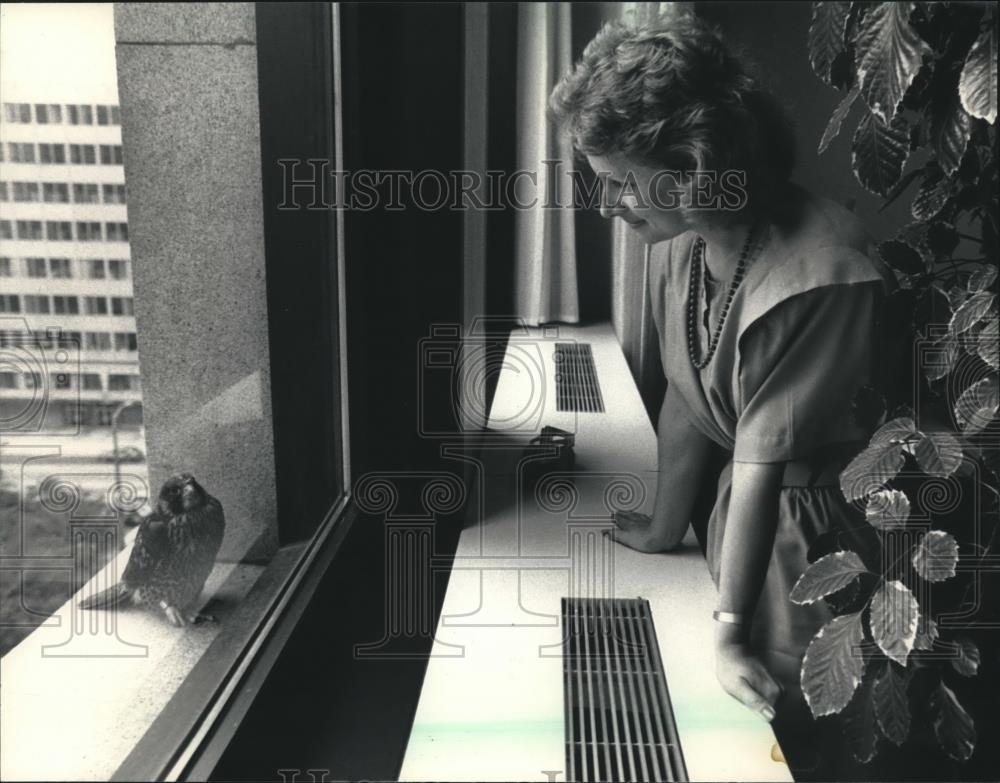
x=631, y=312
x=545, y=241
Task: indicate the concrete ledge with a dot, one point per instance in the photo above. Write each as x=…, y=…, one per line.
x=225, y=23
x=82, y=689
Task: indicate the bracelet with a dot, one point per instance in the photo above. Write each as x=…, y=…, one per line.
x=730, y=617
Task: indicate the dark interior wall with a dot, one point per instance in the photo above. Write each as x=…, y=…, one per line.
x=774, y=35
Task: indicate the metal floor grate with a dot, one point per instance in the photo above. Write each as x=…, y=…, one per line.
x=577, y=388
x=619, y=725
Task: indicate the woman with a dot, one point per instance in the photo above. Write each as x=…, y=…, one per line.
x=765, y=301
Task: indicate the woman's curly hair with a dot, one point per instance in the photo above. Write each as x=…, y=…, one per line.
x=670, y=93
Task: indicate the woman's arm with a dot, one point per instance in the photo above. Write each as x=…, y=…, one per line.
x=751, y=522
x=683, y=455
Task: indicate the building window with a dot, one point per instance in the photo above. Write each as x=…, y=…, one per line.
x=26, y=191
x=95, y=268
x=3, y=191
x=61, y=380
x=65, y=305
x=88, y=232
x=55, y=192
x=48, y=113
x=36, y=305
x=59, y=230
x=5, y=267
x=21, y=152
x=125, y=341
x=91, y=381
x=111, y=154
x=114, y=194
x=6, y=230
x=116, y=232
x=29, y=229
x=10, y=303
x=60, y=268
x=35, y=266
x=96, y=305
x=118, y=269
x=122, y=382
x=85, y=193
x=17, y=112
x=122, y=305
x=52, y=153
x=98, y=341
x=80, y=114
x=82, y=153
x=8, y=380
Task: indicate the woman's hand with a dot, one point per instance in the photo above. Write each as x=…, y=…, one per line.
x=635, y=531
x=743, y=675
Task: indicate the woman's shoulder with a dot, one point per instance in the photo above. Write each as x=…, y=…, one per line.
x=813, y=242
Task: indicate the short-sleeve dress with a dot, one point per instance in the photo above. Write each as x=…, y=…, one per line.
x=798, y=342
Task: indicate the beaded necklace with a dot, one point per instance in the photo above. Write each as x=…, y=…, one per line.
x=694, y=291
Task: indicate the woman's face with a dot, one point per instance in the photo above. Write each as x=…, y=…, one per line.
x=648, y=199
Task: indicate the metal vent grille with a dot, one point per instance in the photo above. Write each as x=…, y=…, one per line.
x=577, y=388
x=619, y=724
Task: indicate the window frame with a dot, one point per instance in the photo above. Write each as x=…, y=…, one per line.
x=297, y=55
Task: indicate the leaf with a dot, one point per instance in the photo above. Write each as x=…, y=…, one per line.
x=827, y=575
x=859, y=722
x=978, y=83
x=893, y=620
x=832, y=665
x=899, y=255
x=889, y=55
x=936, y=556
x=938, y=453
x=977, y=406
x=968, y=315
x=942, y=238
x=878, y=153
x=927, y=633
x=982, y=279
x=870, y=470
x=836, y=120
x=950, y=133
x=898, y=430
x=892, y=705
x=826, y=36
x=886, y=508
x=944, y=358
x=967, y=662
x=987, y=345
x=931, y=197
x=953, y=726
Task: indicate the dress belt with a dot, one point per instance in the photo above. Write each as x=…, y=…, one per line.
x=822, y=468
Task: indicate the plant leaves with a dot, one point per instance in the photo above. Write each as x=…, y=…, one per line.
x=936, y=556
x=826, y=37
x=833, y=664
x=880, y=462
x=982, y=279
x=899, y=255
x=942, y=238
x=953, y=726
x=898, y=430
x=938, y=453
x=950, y=133
x=892, y=705
x=987, y=344
x=893, y=620
x=879, y=152
x=968, y=315
x=859, y=721
x=967, y=662
x=889, y=54
x=836, y=120
x=944, y=358
x=931, y=197
x=827, y=575
x=927, y=633
x=887, y=508
x=978, y=83
x=977, y=406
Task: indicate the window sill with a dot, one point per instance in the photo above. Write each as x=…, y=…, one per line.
x=81, y=691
